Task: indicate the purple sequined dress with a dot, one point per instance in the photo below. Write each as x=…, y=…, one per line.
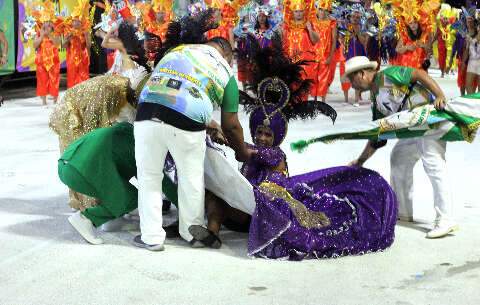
x=327, y=213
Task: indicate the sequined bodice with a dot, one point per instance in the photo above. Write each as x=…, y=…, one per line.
x=260, y=167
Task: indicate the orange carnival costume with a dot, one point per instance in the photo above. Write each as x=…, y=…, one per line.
x=78, y=58
x=149, y=12
x=325, y=29
x=296, y=40
x=410, y=11
x=47, y=59
x=229, y=13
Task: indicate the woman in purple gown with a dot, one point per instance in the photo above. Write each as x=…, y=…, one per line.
x=327, y=213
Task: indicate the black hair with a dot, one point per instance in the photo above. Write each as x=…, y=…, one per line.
x=154, y=43
x=132, y=97
x=267, y=23
x=150, y=36
x=412, y=35
x=127, y=35
x=223, y=44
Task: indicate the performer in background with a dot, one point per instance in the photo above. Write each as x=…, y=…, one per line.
x=414, y=47
x=355, y=40
x=299, y=36
x=459, y=47
x=46, y=44
x=77, y=42
x=325, y=49
x=471, y=59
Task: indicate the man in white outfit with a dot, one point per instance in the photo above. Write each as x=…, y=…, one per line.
x=174, y=110
x=396, y=89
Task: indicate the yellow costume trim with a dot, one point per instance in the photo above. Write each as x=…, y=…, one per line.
x=410, y=10
x=306, y=218
x=324, y=4
x=82, y=13
x=45, y=11
x=294, y=5
x=469, y=132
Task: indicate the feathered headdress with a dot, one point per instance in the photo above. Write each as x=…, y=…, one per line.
x=162, y=5
x=249, y=16
x=44, y=12
x=423, y=12
x=294, y=5
x=297, y=5
x=82, y=10
x=324, y=4
x=149, y=20
x=448, y=13
x=280, y=92
x=228, y=9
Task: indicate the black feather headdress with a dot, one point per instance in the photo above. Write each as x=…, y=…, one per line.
x=272, y=62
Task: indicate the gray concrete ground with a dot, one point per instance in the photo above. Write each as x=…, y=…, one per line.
x=44, y=261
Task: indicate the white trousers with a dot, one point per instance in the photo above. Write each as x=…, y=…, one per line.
x=153, y=140
x=403, y=158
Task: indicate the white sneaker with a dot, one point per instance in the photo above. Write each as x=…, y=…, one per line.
x=442, y=228
x=85, y=227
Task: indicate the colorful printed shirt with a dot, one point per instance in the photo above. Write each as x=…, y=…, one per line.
x=392, y=86
x=192, y=80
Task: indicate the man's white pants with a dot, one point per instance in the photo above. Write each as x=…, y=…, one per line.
x=153, y=140
x=403, y=158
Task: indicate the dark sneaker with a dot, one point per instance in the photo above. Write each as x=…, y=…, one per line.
x=137, y=241
x=172, y=230
x=202, y=237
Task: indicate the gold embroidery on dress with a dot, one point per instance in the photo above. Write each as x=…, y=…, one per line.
x=306, y=218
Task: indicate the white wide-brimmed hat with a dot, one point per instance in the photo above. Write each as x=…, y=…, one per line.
x=358, y=63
